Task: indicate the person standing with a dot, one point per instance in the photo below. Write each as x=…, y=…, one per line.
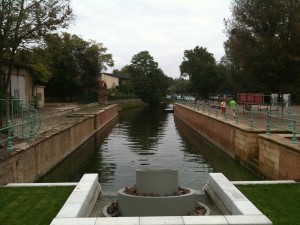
x=232, y=105
x=223, y=107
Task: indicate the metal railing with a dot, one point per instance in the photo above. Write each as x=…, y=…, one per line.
x=18, y=122
x=286, y=121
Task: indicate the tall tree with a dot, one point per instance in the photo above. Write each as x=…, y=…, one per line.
x=264, y=44
x=149, y=81
x=25, y=22
x=200, y=67
x=75, y=64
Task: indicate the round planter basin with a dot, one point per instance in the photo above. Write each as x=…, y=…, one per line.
x=132, y=205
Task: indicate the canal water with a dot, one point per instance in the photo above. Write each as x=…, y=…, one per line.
x=147, y=138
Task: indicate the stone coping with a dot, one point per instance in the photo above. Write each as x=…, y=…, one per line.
x=40, y=184
x=283, y=140
x=167, y=220
x=221, y=190
x=83, y=198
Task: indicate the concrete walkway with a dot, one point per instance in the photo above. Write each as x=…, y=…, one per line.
x=260, y=118
x=54, y=115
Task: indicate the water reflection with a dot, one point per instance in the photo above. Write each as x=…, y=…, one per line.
x=145, y=127
x=146, y=138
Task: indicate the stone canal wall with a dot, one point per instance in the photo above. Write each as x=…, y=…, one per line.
x=32, y=160
x=238, y=141
x=276, y=157
x=279, y=159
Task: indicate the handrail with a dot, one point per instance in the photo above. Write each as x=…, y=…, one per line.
x=23, y=122
x=280, y=121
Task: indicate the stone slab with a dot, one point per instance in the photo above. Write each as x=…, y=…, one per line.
x=204, y=220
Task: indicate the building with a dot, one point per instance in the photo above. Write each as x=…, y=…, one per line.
x=21, y=85
x=112, y=80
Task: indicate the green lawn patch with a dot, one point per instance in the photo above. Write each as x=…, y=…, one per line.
x=31, y=205
x=279, y=202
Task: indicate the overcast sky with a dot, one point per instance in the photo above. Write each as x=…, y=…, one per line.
x=165, y=28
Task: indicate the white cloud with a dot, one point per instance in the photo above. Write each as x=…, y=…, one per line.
x=165, y=28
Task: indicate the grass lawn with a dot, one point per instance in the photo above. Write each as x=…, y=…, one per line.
x=279, y=202
x=31, y=205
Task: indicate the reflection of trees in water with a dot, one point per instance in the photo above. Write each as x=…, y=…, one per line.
x=144, y=125
x=210, y=155
x=86, y=159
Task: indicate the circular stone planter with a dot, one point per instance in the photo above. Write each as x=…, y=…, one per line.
x=132, y=205
x=207, y=209
x=161, y=182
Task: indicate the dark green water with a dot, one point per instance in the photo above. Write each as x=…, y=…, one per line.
x=144, y=138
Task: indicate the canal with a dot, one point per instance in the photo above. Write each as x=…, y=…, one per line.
x=145, y=138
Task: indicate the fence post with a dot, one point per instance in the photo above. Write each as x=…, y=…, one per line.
x=251, y=120
x=203, y=104
x=208, y=108
x=31, y=125
x=9, y=138
x=216, y=112
x=268, y=123
x=236, y=115
x=294, y=137
x=289, y=118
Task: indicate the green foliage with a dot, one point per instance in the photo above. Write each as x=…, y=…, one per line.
x=37, y=61
x=179, y=86
x=149, y=81
x=24, y=23
x=200, y=66
x=75, y=64
x=263, y=46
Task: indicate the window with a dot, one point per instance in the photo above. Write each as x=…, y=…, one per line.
x=16, y=93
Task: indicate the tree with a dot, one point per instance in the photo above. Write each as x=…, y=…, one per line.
x=200, y=66
x=149, y=81
x=23, y=23
x=75, y=64
x=179, y=86
x=125, y=87
x=264, y=44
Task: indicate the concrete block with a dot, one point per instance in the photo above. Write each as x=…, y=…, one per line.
x=245, y=208
x=217, y=176
x=84, y=186
x=248, y=220
x=204, y=220
x=89, y=177
x=77, y=197
x=117, y=221
x=73, y=221
x=69, y=210
x=81, y=201
x=158, y=220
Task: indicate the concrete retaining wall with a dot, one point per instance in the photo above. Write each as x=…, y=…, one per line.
x=33, y=160
x=238, y=141
x=277, y=157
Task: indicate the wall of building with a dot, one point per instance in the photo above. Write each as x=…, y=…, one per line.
x=47, y=151
x=111, y=81
x=21, y=83
x=39, y=92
